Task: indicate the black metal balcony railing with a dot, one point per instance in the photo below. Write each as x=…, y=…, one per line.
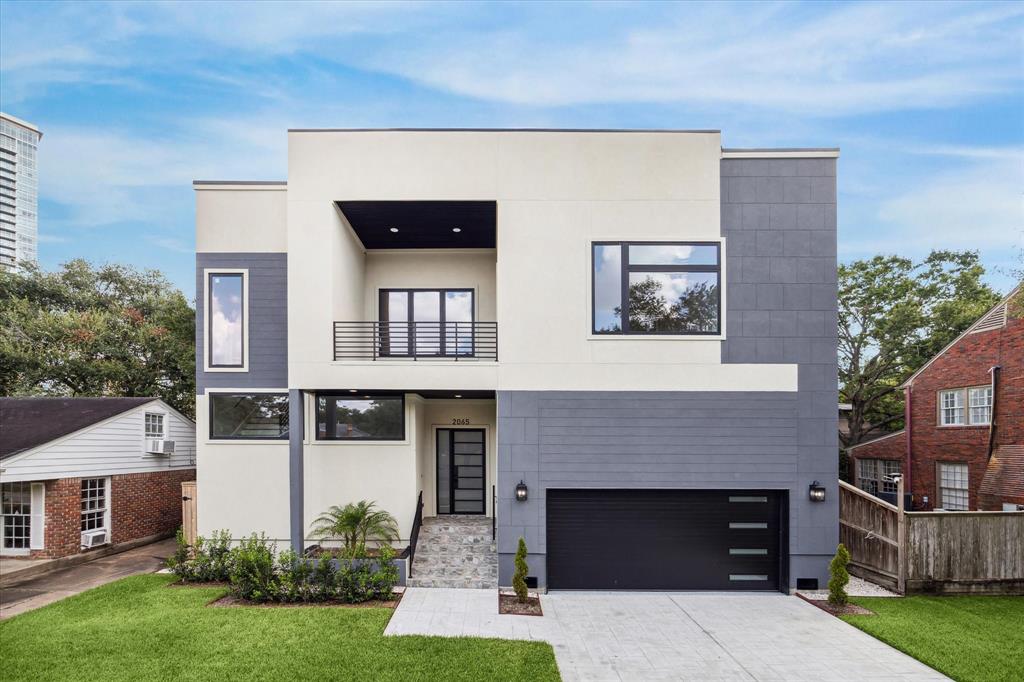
x=458, y=341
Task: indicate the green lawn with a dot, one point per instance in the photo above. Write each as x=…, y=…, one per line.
x=139, y=629
x=976, y=639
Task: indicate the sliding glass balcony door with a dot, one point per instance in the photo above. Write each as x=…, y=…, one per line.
x=426, y=322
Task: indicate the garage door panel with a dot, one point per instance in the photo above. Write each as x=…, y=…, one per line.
x=663, y=539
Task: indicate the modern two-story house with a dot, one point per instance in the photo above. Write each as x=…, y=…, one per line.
x=618, y=345
x=963, y=445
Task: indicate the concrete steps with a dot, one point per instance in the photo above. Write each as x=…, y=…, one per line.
x=456, y=552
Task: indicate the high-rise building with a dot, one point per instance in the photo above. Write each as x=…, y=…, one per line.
x=19, y=191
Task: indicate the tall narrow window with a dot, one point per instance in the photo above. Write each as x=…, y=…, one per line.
x=980, y=400
x=951, y=410
x=656, y=288
x=226, y=319
x=16, y=512
x=953, y=493
x=94, y=503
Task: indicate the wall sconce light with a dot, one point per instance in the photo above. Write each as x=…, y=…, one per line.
x=521, y=491
x=816, y=491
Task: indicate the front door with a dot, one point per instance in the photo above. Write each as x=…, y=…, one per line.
x=460, y=471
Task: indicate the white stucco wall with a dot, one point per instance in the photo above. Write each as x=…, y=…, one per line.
x=241, y=218
x=242, y=486
x=555, y=192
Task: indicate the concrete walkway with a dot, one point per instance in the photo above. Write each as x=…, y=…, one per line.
x=50, y=587
x=669, y=636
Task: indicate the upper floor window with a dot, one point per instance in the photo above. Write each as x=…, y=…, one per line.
x=656, y=288
x=355, y=417
x=249, y=416
x=154, y=425
x=965, y=406
x=226, y=320
x=980, y=402
x=426, y=322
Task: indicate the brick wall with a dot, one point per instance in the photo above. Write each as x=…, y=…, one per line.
x=63, y=505
x=146, y=504
x=966, y=364
x=140, y=505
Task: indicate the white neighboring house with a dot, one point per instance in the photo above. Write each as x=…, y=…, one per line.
x=78, y=473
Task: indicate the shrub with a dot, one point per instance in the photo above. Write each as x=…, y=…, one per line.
x=252, y=576
x=519, y=578
x=840, y=577
x=210, y=561
x=293, y=572
x=354, y=524
x=181, y=550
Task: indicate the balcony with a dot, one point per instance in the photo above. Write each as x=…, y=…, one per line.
x=455, y=341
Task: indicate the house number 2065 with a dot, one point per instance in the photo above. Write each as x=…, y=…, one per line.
x=460, y=421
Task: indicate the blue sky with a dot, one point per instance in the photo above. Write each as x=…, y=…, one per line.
x=137, y=100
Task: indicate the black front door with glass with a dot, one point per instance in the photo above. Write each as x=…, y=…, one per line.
x=460, y=471
x=425, y=322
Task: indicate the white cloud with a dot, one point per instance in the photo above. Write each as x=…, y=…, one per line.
x=977, y=207
x=811, y=59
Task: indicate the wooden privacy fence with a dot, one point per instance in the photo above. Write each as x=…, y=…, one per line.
x=188, y=511
x=946, y=552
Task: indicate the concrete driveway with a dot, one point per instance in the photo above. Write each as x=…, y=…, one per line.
x=669, y=636
x=64, y=582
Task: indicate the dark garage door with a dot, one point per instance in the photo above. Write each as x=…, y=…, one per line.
x=664, y=539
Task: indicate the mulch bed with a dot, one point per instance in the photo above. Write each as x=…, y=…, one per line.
x=847, y=610
x=228, y=601
x=509, y=604
x=182, y=583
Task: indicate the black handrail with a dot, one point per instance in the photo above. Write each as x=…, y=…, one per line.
x=494, y=509
x=414, y=535
x=456, y=341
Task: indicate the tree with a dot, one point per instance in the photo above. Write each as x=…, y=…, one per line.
x=839, y=577
x=96, y=331
x=355, y=523
x=895, y=314
x=519, y=577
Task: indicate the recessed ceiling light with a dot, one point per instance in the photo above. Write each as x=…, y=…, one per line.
x=352, y=390
x=367, y=397
x=456, y=229
x=394, y=229
x=458, y=395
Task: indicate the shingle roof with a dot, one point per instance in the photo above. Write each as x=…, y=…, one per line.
x=26, y=423
x=1004, y=476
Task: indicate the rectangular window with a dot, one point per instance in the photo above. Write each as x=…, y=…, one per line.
x=94, y=503
x=16, y=509
x=873, y=475
x=953, y=493
x=226, y=319
x=425, y=322
x=370, y=417
x=980, y=401
x=656, y=288
x=249, y=416
x=154, y=425
x=951, y=407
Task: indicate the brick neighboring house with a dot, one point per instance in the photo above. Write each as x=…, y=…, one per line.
x=78, y=472
x=965, y=415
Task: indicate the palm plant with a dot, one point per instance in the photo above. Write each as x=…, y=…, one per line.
x=354, y=524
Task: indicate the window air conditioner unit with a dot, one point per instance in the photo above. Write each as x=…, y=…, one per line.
x=156, y=446
x=94, y=538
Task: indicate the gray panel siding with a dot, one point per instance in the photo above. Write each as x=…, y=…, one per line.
x=779, y=221
x=268, y=321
